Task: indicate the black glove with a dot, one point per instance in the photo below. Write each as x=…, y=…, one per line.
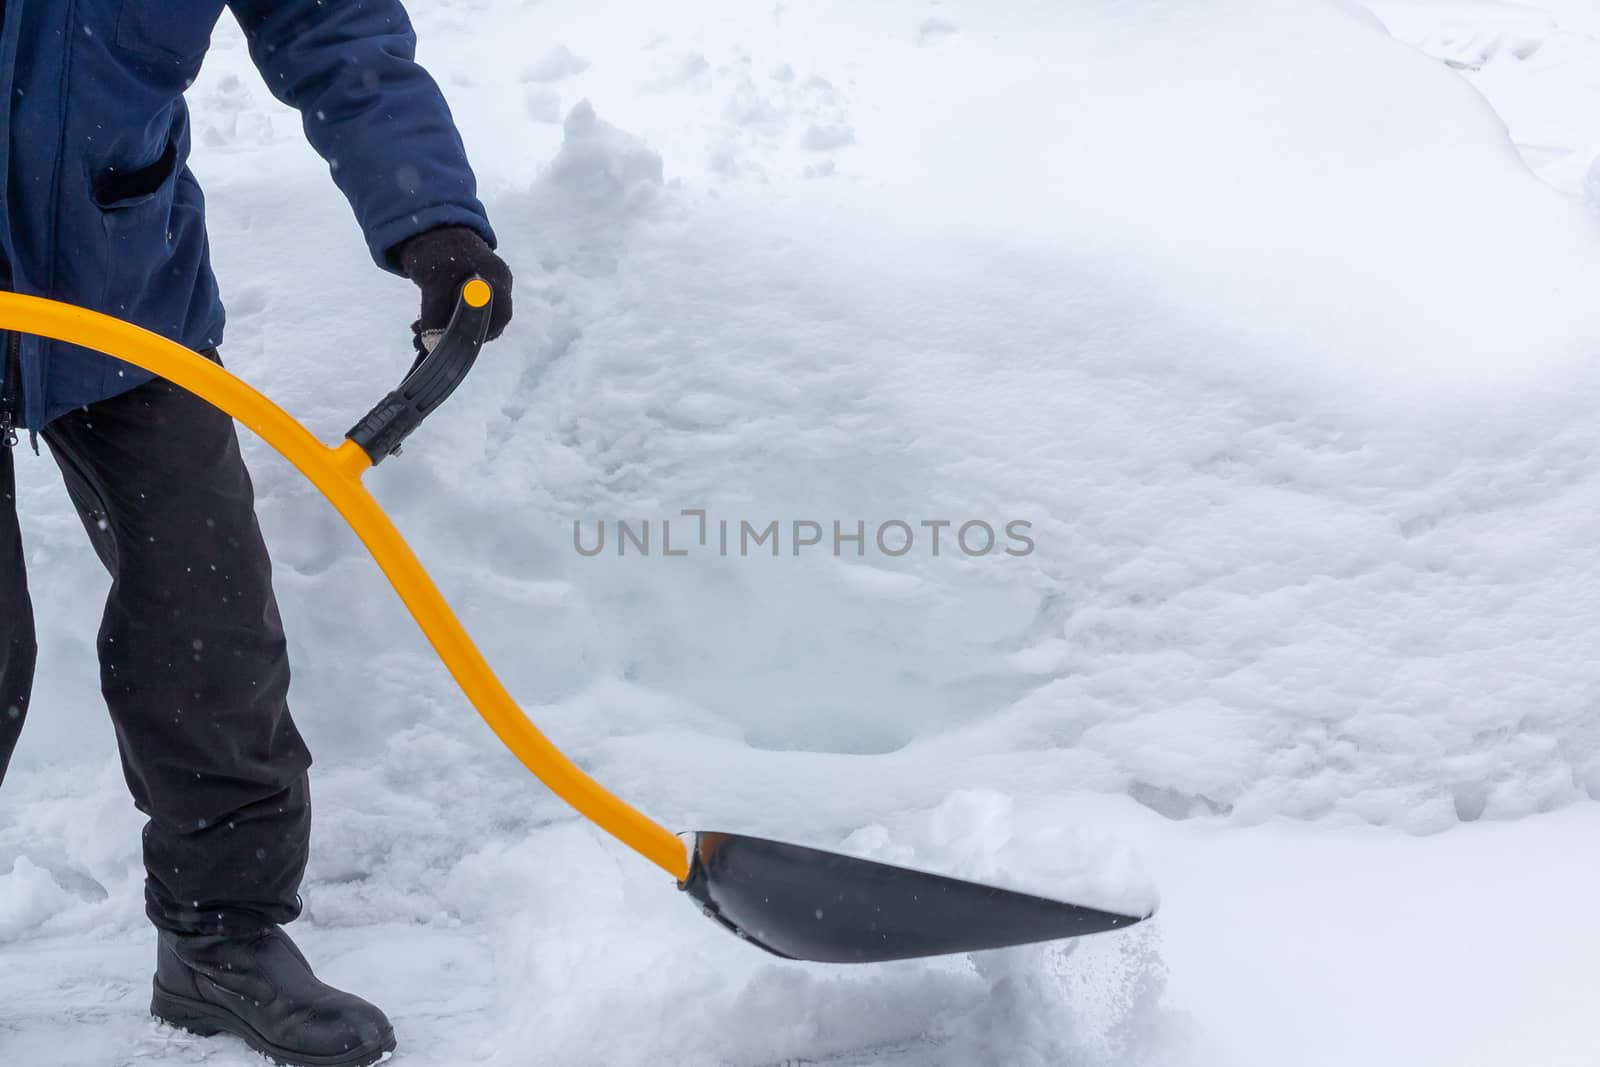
x=440, y=262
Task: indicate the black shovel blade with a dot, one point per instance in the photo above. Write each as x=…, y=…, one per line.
x=806, y=904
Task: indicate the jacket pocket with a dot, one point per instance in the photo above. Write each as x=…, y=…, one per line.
x=118, y=189
x=175, y=30
x=136, y=217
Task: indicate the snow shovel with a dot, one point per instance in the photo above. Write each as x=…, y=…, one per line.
x=795, y=902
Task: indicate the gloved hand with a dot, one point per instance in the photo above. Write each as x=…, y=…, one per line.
x=440, y=262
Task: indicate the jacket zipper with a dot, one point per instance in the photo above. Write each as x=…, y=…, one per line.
x=10, y=390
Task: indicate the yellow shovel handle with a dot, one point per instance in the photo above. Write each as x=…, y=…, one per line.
x=337, y=473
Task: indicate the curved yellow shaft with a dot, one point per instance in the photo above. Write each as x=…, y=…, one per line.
x=337, y=473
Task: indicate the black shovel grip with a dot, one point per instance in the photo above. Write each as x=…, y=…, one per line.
x=430, y=383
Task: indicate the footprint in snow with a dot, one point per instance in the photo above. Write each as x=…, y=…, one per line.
x=1474, y=38
x=554, y=65
x=932, y=31
x=749, y=106
x=1476, y=50
x=826, y=138
x=692, y=66
x=687, y=70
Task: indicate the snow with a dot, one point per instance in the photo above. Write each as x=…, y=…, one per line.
x=1271, y=318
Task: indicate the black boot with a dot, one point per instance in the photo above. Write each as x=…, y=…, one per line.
x=260, y=988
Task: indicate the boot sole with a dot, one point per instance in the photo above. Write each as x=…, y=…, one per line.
x=207, y=1020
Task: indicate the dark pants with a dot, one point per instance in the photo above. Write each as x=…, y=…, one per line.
x=192, y=654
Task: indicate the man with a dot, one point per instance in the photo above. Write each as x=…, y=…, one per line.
x=99, y=209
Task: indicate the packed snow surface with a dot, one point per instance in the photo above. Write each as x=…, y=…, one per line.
x=1256, y=334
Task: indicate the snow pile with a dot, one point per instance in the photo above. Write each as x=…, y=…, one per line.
x=1250, y=315
x=1252, y=359
x=1533, y=62
x=28, y=896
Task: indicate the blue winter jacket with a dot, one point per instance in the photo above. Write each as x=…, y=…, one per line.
x=99, y=207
